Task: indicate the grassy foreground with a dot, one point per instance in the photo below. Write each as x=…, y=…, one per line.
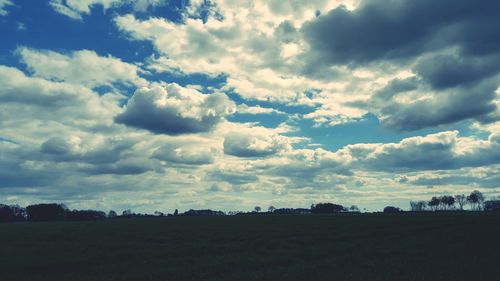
x=337, y=247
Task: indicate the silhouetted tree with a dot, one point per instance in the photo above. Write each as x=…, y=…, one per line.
x=492, y=205
x=476, y=200
x=392, y=209
x=461, y=200
x=12, y=213
x=434, y=203
x=448, y=202
x=127, y=213
x=327, y=208
x=418, y=206
x=271, y=209
x=112, y=214
x=6, y=214
x=176, y=212
x=257, y=209
x=46, y=212
x=413, y=206
x=159, y=214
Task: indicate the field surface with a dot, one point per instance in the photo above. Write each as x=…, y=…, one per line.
x=264, y=247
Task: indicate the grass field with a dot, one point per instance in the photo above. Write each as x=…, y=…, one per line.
x=331, y=247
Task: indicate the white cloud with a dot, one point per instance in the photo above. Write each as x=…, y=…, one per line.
x=440, y=151
x=254, y=144
x=246, y=45
x=3, y=5
x=62, y=9
x=81, y=67
x=245, y=109
x=21, y=26
x=172, y=109
x=59, y=139
x=258, y=45
x=333, y=113
x=75, y=9
x=48, y=99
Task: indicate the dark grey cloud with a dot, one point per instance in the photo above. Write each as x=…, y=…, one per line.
x=444, y=180
x=395, y=87
x=488, y=180
x=475, y=100
x=451, y=70
x=126, y=166
x=286, y=32
x=67, y=149
x=232, y=177
x=56, y=146
x=175, y=110
x=443, y=108
x=399, y=29
x=33, y=100
x=88, y=156
x=16, y=170
x=19, y=88
x=16, y=175
x=452, y=46
x=317, y=168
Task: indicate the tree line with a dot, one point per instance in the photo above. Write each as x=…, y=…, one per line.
x=60, y=212
x=475, y=200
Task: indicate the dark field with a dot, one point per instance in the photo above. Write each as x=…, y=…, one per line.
x=336, y=247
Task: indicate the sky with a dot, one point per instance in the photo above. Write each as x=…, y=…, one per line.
x=160, y=105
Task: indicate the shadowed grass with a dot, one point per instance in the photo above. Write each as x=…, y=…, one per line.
x=443, y=246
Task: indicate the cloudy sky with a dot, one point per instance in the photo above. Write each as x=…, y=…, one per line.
x=161, y=104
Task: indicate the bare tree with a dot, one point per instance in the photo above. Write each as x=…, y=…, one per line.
x=418, y=206
x=461, y=200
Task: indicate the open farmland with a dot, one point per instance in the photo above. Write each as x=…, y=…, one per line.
x=428, y=246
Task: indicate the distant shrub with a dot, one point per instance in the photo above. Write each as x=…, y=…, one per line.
x=82, y=215
x=492, y=206
x=392, y=209
x=327, y=208
x=46, y=212
x=206, y=212
x=292, y=211
x=12, y=213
